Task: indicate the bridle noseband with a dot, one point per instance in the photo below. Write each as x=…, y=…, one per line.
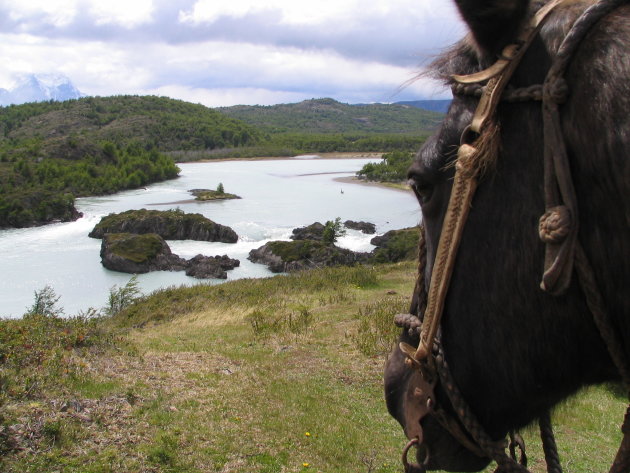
x=558, y=230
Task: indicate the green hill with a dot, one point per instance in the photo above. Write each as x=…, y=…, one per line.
x=329, y=116
x=74, y=128
x=52, y=152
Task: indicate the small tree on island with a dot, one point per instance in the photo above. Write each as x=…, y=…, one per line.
x=220, y=188
x=332, y=231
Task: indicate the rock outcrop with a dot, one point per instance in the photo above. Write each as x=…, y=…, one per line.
x=288, y=256
x=309, y=251
x=365, y=227
x=210, y=267
x=396, y=245
x=169, y=224
x=315, y=231
x=133, y=253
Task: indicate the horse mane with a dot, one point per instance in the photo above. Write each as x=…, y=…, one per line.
x=465, y=57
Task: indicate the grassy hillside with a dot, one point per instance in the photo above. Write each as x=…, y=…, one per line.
x=277, y=375
x=329, y=116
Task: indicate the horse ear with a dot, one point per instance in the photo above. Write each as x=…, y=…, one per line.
x=493, y=23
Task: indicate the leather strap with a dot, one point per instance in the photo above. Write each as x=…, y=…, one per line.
x=469, y=162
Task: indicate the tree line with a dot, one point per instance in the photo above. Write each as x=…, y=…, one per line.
x=393, y=167
x=39, y=191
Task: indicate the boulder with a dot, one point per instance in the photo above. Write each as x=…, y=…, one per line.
x=365, y=227
x=208, y=267
x=169, y=224
x=315, y=231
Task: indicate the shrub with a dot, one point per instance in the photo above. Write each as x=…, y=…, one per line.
x=122, y=297
x=45, y=303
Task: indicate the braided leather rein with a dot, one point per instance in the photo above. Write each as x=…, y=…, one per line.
x=558, y=230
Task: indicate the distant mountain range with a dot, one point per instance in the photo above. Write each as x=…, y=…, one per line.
x=326, y=115
x=39, y=88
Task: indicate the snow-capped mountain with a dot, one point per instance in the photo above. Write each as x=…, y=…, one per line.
x=39, y=88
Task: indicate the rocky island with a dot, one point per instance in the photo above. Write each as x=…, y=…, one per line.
x=287, y=256
x=365, y=227
x=207, y=195
x=169, y=224
x=133, y=253
x=315, y=231
x=308, y=250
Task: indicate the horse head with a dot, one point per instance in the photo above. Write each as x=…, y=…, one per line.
x=513, y=349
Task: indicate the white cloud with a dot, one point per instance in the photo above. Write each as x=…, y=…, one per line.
x=229, y=96
x=58, y=13
x=307, y=12
x=123, y=12
x=214, y=52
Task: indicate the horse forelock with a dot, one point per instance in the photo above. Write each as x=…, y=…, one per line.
x=465, y=57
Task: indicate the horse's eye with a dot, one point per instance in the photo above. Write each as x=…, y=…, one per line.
x=423, y=190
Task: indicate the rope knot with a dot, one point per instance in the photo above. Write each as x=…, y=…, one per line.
x=409, y=322
x=555, y=224
x=556, y=90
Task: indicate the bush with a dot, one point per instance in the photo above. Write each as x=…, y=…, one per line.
x=122, y=297
x=45, y=304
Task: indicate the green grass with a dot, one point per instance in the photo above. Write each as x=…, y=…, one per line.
x=205, y=391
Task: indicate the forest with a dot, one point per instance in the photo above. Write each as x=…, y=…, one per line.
x=41, y=191
x=393, y=167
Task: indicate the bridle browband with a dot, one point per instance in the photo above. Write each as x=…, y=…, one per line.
x=558, y=229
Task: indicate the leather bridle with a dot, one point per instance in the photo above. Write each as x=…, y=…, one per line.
x=558, y=230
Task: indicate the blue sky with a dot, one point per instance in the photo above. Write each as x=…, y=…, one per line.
x=228, y=52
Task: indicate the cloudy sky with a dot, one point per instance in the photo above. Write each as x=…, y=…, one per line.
x=227, y=52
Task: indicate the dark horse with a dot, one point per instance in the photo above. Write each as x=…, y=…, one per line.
x=515, y=350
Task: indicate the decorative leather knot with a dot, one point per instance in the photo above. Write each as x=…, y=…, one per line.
x=555, y=224
x=466, y=160
x=556, y=90
x=408, y=321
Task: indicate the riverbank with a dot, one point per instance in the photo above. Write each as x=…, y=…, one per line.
x=388, y=185
x=332, y=155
